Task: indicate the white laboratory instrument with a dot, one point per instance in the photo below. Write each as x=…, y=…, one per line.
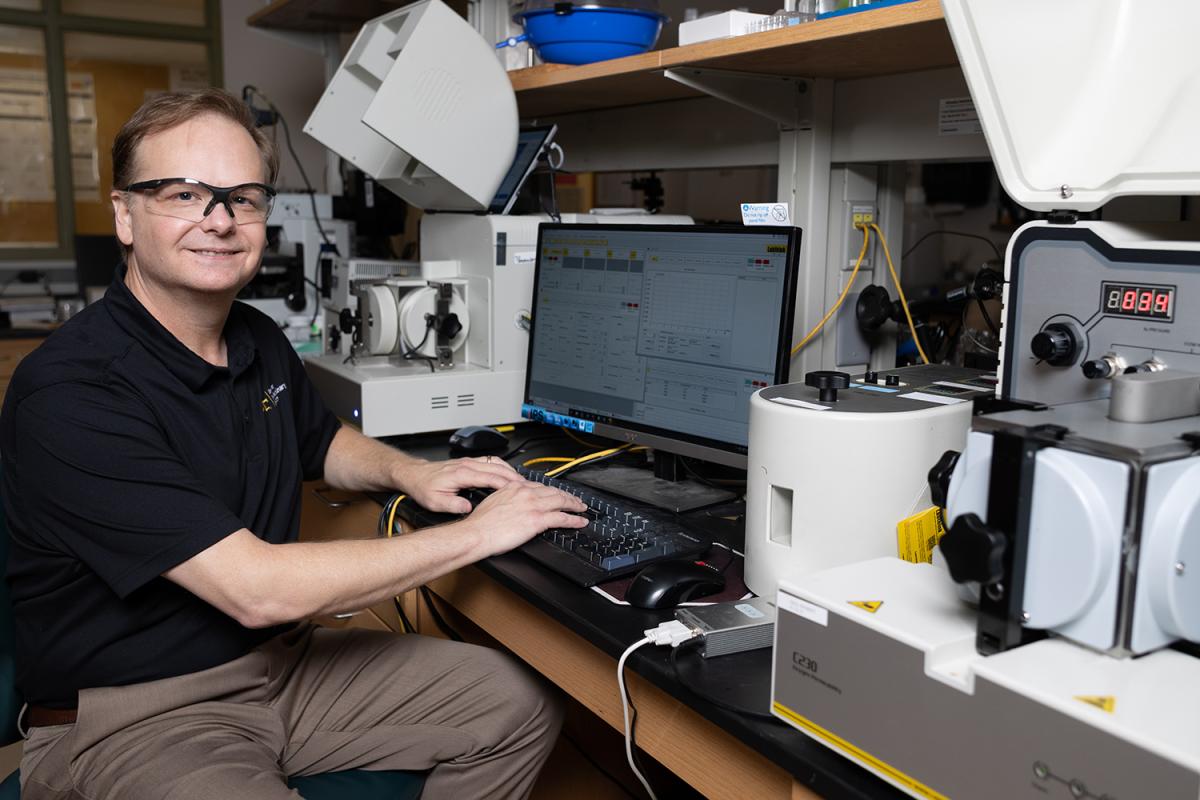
x=421, y=104
x=1073, y=514
x=835, y=463
x=285, y=285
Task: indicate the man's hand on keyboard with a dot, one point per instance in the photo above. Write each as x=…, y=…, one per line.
x=436, y=484
x=519, y=511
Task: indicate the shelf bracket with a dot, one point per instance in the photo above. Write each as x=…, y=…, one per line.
x=784, y=100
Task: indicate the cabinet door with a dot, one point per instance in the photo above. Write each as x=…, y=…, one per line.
x=332, y=514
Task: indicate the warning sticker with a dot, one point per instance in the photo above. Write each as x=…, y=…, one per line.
x=867, y=605
x=1104, y=702
x=916, y=536
x=957, y=117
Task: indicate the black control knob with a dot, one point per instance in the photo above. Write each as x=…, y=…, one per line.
x=827, y=383
x=871, y=377
x=1097, y=368
x=939, y=477
x=891, y=380
x=973, y=551
x=448, y=325
x=348, y=320
x=1056, y=344
x=874, y=307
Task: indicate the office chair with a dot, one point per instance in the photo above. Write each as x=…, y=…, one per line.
x=359, y=784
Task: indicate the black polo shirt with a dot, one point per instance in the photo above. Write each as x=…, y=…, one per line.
x=125, y=454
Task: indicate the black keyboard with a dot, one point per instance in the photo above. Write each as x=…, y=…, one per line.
x=621, y=536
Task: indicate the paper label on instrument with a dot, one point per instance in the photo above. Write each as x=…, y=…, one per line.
x=803, y=608
x=916, y=536
x=766, y=214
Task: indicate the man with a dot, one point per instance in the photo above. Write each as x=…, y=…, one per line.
x=153, y=451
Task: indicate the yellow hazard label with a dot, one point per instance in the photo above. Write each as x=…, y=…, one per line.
x=916, y=536
x=867, y=605
x=1104, y=702
x=862, y=756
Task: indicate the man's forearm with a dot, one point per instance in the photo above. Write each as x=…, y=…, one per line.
x=358, y=463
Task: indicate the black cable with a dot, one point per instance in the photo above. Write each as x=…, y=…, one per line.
x=987, y=317
x=411, y=355
x=918, y=243
x=553, y=211
x=716, y=701
x=287, y=138
x=405, y=624
x=316, y=286
x=437, y=617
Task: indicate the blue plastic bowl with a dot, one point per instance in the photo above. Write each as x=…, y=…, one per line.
x=584, y=35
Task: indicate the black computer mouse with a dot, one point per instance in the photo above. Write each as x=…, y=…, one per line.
x=477, y=440
x=669, y=583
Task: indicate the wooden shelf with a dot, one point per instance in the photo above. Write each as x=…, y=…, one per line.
x=882, y=41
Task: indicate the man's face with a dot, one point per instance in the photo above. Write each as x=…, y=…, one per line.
x=215, y=255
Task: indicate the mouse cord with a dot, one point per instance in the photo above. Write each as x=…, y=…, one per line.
x=673, y=633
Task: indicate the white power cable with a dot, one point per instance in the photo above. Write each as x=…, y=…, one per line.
x=673, y=633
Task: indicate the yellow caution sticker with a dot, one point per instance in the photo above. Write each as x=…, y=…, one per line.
x=867, y=605
x=1104, y=702
x=916, y=536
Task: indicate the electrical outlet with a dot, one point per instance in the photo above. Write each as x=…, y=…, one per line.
x=858, y=214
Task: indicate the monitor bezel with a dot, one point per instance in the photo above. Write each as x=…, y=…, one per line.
x=676, y=442
x=548, y=132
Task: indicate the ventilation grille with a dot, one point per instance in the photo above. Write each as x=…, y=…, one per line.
x=361, y=269
x=439, y=402
x=465, y=400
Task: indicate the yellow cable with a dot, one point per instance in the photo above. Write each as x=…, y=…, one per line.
x=390, y=527
x=862, y=253
x=587, y=458
x=577, y=439
x=903, y=301
x=546, y=459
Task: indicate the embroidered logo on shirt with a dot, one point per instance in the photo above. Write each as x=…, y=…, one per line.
x=271, y=395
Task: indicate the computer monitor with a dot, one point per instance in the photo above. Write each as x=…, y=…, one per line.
x=659, y=334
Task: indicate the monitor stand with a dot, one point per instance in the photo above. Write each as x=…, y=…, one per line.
x=666, y=489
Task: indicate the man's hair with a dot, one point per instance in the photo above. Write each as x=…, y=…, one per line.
x=165, y=111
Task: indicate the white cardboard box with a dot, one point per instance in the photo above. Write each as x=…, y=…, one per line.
x=717, y=26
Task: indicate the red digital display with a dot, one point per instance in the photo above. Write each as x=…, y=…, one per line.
x=1131, y=300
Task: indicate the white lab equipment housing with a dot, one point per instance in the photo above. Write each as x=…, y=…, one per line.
x=422, y=104
x=1080, y=102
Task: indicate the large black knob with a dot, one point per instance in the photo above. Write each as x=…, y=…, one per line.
x=939, y=477
x=973, y=551
x=827, y=383
x=1056, y=344
x=348, y=320
x=874, y=307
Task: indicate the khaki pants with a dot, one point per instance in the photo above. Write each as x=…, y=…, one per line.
x=310, y=701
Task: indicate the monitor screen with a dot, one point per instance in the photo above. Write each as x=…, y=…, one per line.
x=530, y=142
x=659, y=334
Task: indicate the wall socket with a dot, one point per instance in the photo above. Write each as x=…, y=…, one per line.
x=858, y=214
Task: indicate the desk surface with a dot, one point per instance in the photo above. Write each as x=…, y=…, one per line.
x=741, y=680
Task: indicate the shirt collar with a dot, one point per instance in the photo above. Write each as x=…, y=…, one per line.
x=129, y=313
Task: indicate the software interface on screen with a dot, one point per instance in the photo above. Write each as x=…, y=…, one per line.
x=671, y=330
